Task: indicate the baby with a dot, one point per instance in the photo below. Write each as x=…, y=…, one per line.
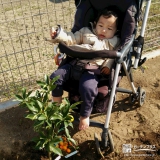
x=101, y=35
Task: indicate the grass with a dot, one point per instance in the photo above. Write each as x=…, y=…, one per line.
x=24, y=53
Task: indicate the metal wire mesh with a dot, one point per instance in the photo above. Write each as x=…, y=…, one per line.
x=24, y=54
x=152, y=33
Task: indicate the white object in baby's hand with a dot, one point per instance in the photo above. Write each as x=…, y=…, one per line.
x=53, y=29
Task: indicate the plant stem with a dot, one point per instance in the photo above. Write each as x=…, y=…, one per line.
x=50, y=155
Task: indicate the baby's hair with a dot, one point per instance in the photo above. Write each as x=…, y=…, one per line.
x=108, y=12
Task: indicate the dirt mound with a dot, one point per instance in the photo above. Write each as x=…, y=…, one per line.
x=131, y=126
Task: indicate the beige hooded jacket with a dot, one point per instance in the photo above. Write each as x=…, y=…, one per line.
x=86, y=38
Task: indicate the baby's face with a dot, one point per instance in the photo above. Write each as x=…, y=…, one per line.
x=106, y=27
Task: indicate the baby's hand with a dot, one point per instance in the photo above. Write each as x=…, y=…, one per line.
x=53, y=32
x=57, y=62
x=84, y=123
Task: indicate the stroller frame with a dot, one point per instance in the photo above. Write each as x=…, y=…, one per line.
x=124, y=59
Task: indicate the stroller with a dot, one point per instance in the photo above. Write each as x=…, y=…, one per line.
x=131, y=46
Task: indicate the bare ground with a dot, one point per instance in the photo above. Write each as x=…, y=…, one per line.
x=129, y=124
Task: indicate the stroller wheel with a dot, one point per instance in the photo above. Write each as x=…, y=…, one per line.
x=132, y=99
x=110, y=141
x=142, y=96
x=98, y=145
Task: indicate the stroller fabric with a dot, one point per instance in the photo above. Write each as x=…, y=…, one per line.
x=86, y=11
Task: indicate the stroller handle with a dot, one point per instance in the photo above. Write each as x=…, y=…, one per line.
x=124, y=51
x=86, y=54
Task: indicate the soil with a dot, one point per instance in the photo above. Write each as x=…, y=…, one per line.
x=129, y=124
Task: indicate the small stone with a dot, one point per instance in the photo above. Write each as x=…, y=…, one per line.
x=129, y=131
x=141, y=134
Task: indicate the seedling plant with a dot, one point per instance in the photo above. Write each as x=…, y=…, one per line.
x=51, y=120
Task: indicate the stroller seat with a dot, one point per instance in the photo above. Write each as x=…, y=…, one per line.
x=130, y=46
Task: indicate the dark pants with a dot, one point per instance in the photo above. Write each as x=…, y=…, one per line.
x=87, y=87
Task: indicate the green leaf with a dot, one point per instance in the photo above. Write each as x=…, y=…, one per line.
x=70, y=124
x=35, y=139
x=24, y=93
x=73, y=106
x=38, y=124
x=64, y=109
x=52, y=87
x=31, y=116
x=46, y=79
x=42, y=135
x=40, y=144
x=52, y=108
x=45, y=87
x=40, y=104
x=49, y=124
x=68, y=117
x=66, y=123
x=49, y=107
x=66, y=129
x=40, y=83
x=19, y=98
x=42, y=117
x=58, y=124
x=54, y=79
x=45, y=97
x=32, y=108
x=54, y=149
x=29, y=93
x=38, y=94
x=72, y=140
x=55, y=117
x=56, y=140
x=61, y=129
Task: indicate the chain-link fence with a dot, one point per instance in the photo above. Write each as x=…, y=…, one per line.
x=152, y=33
x=24, y=54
